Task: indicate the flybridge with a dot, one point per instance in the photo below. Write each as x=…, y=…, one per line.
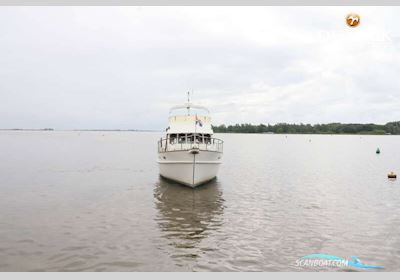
x=189, y=125
x=190, y=121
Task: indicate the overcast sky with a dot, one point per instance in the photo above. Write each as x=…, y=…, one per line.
x=123, y=67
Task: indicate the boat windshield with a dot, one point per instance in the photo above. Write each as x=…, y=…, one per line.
x=185, y=142
x=189, y=138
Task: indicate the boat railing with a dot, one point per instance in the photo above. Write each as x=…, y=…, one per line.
x=210, y=144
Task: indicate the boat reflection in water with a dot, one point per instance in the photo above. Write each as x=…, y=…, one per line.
x=188, y=216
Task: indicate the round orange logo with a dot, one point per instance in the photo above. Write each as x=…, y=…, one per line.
x=353, y=20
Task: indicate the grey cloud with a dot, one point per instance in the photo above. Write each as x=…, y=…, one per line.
x=122, y=67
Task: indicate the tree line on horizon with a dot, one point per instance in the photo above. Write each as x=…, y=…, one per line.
x=330, y=128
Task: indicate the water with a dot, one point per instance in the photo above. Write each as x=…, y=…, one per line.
x=93, y=201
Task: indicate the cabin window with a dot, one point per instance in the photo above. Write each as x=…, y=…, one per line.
x=190, y=138
x=182, y=138
x=172, y=138
x=199, y=138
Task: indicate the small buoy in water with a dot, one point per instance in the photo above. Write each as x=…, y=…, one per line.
x=378, y=151
x=392, y=175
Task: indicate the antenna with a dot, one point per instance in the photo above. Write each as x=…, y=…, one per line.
x=188, y=103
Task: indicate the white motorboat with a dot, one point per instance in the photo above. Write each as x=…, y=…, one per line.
x=189, y=154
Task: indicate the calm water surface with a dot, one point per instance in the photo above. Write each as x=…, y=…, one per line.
x=93, y=201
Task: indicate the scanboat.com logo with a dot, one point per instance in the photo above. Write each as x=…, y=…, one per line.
x=333, y=261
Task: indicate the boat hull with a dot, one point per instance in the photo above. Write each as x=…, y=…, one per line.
x=190, y=168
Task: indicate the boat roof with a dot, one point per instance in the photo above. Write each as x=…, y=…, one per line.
x=189, y=106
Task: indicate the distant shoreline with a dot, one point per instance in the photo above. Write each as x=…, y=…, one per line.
x=219, y=132
x=299, y=133
x=390, y=128
x=103, y=130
